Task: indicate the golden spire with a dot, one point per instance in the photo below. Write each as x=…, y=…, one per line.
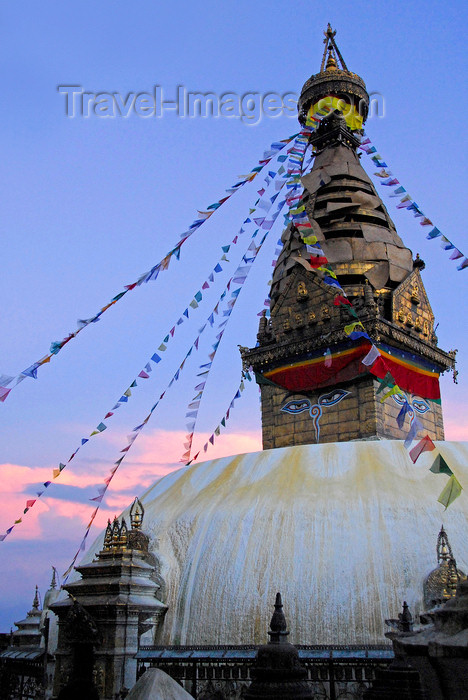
x=331, y=61
x=334, y=56
x=136, y=514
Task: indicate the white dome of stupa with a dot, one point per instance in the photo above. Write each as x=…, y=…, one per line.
x=346, y=531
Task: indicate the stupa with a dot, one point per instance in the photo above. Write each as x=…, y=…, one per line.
x=332, y=512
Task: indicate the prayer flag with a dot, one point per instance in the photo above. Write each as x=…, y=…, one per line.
x=351, y=326
x=4, y=393
x=401, y=416
x=340, y=299
x=386, y=382
x=416, y=426
x=394, y=390
x=370, y=358
x=440, y=466
x=451, y=491
x=425, y=445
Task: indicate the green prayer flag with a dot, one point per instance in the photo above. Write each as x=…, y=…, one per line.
x=440, y=466
x=451, y=491
x=387, y=381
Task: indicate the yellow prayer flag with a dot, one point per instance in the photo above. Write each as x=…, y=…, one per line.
x=351, y=326
x=394, y=390
x=56, y=473
x=452, y=490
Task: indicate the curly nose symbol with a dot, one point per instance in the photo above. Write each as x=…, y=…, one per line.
x=315, y=412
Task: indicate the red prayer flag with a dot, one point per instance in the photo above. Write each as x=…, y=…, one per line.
x=340, y=299
x=425, y=445
x=317, y=261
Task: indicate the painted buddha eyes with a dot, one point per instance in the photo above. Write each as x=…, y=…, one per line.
x=296, y=406
x=399, y=398
x=333, y=397
x=299, y=405
x=419, y=404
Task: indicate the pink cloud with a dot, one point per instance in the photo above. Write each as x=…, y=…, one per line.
x=154, y=455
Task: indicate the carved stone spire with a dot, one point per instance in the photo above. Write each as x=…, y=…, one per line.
x=36, y=600
x=277, y=671
x=278, y=628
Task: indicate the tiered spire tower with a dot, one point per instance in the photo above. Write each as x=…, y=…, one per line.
x=314, y=385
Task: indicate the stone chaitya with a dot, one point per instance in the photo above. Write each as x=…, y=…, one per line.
x=113, y=603
x=314, y=386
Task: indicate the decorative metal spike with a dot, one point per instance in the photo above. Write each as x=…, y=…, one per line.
x=137, y=513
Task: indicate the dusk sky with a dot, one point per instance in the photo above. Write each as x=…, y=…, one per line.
x=91, y=202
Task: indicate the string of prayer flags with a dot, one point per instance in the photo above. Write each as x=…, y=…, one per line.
x=319, y=264
x=293, y=172
x=407, y=202
x=151, y=275
x=239, y=277
x=222, y=423
x=424, y=445
x=145, y=372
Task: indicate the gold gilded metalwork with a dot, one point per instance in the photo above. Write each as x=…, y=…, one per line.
x=415, y=293
x=302, y=293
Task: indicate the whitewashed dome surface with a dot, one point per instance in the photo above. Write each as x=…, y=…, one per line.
x=346, y=532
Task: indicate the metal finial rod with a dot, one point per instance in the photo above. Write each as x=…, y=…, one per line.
x=343, y=64
x=325, y=41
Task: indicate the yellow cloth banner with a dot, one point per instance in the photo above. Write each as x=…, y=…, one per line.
x=350, y=113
